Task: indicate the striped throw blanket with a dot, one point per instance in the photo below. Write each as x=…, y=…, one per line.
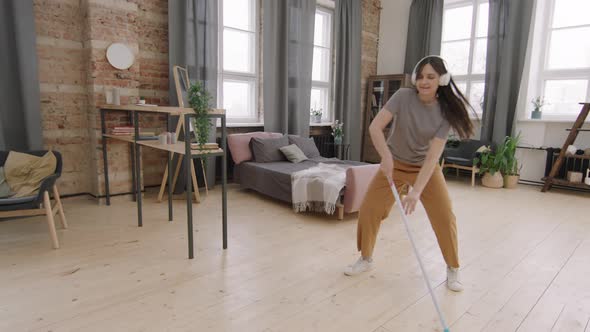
x=318, y=188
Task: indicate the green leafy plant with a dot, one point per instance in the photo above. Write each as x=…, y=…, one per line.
x=507, y=156
x=488, y=162
x=316, y=111
x=538, y=103
x=199, y=98
x=337, y=129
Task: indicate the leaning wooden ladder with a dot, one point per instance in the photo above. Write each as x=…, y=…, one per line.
x=179, y=126
x=577, y=127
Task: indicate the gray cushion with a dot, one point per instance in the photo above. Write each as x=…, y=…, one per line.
x=17, y=200
x=307, y=145
x=293, y=153
x=266, y=150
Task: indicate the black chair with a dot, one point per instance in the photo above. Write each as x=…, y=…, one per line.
x=461, y=157
x=39, y=204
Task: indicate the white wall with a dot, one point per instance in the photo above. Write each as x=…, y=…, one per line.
x=393, y=31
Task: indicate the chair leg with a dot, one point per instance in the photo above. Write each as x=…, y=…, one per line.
x=473, y=177
x=50, y=221
x=62, y=216
x=457, y=171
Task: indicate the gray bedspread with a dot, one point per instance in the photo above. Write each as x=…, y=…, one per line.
x=274, y=179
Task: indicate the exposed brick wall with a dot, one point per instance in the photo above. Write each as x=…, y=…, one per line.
x=72, y=38
x=62, y=75
x=370, y=43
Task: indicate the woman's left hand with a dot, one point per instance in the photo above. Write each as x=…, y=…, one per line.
x=410, y=200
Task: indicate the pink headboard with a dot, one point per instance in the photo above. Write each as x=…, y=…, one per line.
x=239, y=144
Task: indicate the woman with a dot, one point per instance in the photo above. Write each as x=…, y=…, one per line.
x=422, y=120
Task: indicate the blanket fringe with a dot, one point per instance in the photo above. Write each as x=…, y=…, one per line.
x=315, y=206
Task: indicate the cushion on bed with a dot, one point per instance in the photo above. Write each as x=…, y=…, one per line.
x=307, y=145
x=293, y=153
x=266, y=150
x=239, y=144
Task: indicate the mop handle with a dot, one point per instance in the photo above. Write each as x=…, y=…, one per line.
x=405, y=220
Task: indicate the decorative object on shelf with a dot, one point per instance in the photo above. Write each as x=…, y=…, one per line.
x=120, y=56
x=206, y=146
x=587, y=180
x=116, y=96
x=337, y=132
x=574, y=177
x=316, y=115
x=571, y=150
x=141, y=101
x=538, y=103
x=199, y=98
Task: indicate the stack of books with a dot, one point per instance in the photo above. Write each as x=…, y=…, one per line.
x=130, y=131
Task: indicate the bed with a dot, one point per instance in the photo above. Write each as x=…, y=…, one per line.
x=274, y=178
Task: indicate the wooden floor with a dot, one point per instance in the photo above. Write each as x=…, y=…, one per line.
x=525, y=265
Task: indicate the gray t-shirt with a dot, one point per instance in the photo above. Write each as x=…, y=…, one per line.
x=414, y=125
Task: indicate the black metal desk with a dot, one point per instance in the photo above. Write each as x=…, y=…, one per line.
x=183, y=148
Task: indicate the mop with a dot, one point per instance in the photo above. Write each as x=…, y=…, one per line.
x=405, y=220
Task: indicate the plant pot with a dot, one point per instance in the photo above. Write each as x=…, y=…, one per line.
x=316, y=118
x=536, y=114
x=337, y=139
x=511, y=181
x=492, y=181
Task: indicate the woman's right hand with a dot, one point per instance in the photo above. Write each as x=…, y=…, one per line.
x=387, y=167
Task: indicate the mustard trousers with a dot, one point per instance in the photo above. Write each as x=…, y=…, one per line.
x=435, y=198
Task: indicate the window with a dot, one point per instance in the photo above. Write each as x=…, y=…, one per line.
x=321, y=86
x=238, y=49
x=564, y=65
x=464, y=46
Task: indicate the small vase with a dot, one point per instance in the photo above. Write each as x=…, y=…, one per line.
x=317, y=118
x=536, y=114
x=337, y=139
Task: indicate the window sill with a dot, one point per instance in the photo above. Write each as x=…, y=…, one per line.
x=242, y=125
x=555, y=120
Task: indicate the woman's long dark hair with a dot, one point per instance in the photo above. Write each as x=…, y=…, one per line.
x=453, y=103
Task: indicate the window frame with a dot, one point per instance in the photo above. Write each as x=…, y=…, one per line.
x=469, y=78
x=251, y=78
x=327, y=114
x=544, y=74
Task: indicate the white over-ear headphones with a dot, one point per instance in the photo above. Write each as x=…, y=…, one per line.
x=444, y=79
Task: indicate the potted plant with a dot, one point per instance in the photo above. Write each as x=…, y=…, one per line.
x=509, y=164
x=337, y=132
x=199, y=98
x=538, y=103
x=316, y=115
x=489, y=165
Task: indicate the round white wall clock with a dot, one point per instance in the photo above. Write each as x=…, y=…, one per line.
x=120, y=56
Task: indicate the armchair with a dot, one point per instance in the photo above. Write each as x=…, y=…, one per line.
x=461, y=157
x=39, y=204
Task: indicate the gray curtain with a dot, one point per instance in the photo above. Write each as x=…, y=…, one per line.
x=424, y=31
x=508, y=33
x=192, y=36
x=348, y=27
x=287, y=62
x=20, y=115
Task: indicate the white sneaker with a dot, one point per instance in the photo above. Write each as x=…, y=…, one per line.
x=360, y=266
x=453, y=282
